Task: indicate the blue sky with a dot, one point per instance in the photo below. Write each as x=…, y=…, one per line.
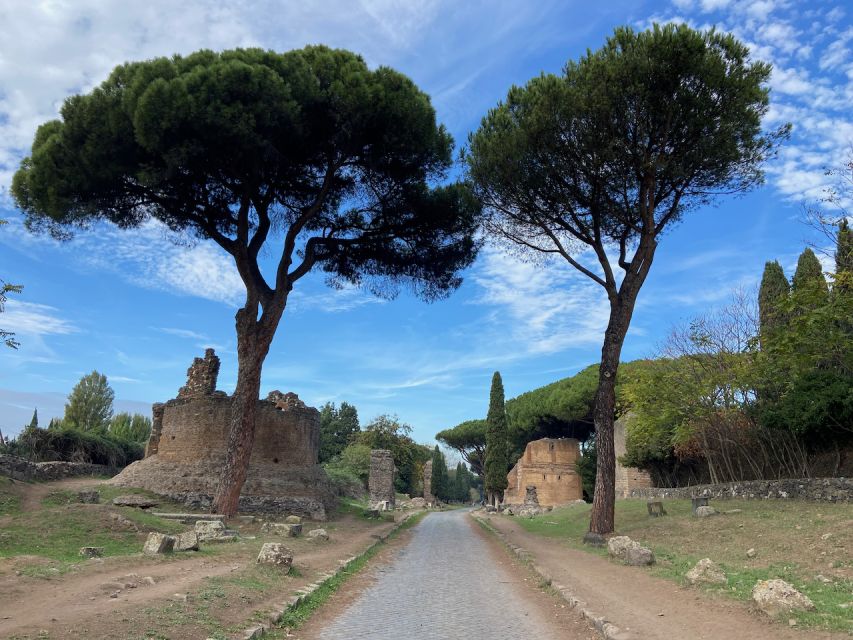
x=138, y=307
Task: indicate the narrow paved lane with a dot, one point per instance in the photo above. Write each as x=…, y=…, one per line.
x=444, y=584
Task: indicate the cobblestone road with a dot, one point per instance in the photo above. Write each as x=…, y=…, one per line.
x=443, y=585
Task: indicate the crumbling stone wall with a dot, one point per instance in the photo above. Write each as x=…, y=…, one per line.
x=187, y=447
x=428, y=482
x=201, y=376
x=381, y=480
x=549, y=465
x=628, y=479
x=811, y=489
x=26, y=471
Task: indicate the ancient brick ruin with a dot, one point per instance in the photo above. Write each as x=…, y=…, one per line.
x=186, y=451
x=628, y=479
x=381, y=479
x=548, y=471
x=428, y=482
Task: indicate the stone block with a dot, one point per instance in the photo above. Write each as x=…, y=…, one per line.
x=705, y=512
x=276, y=554
x=706, y=571
x=293, y=520
x=655, y=508
x=698, y=501
x=91, y=552
x=775, y=597
x=209, y=529
x=187, y=541
x=639, y=556
x=418, y=503
x=158, y=543
x=89, y=497
x=135, y=500
x=318, y=535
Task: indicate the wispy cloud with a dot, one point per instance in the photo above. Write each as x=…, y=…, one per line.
x=33, y=319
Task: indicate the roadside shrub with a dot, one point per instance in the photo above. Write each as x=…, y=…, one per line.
x=73, y=445
x=345, y=483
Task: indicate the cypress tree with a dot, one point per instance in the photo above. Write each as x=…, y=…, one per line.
x=774, y=289
x=460, y=484
x=844, y=258
x=809, y=274
x=34, y=423
x=497, y=462
x=439, y=486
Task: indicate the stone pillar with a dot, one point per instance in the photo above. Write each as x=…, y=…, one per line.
x=531, y=498
x=381, y=481
x=156, y=429
x=428, y=482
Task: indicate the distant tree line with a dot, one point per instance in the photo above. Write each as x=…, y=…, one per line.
x=89, y=431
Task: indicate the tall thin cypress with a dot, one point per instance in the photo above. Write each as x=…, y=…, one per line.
x=497, y=462
x=773, y=291
x=809, y=273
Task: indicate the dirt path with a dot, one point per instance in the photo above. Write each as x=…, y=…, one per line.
x=105, y=598
x=646, y=606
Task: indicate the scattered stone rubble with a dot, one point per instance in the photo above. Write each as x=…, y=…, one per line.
x=775, y=597
x=629, y=551
x=706, y=571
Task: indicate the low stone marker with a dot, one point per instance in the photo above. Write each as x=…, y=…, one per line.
x=210, y=530
x=276, y=554
x=187, y=541
x=629, y=551
x=655, y=508
x=705, y=512
x=91, y=552
x=318, y=535
x=696, y=502
x=89, y=497
x=282, y=529
x=135, y=500
x=777, y=596
x=706, y=571
x=158, y=543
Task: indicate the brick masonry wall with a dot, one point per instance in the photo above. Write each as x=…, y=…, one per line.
x=549, y=464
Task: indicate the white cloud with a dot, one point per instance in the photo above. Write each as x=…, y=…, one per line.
x=32, y=319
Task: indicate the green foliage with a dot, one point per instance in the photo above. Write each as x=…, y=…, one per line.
x=440, y=484
x=497, y=461
x=134, y=428
x=341, y=155
x=809, y=274
x=773, y=291
x=350, y=470
x=562, y=409
x=74, y=445
x=34, y=422
x=387, y=432
x=90, y=405
x=469, y=439
x=818, y=407
x=587, y=465
x=338, y=426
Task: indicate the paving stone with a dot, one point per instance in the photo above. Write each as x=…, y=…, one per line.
x=446, y=559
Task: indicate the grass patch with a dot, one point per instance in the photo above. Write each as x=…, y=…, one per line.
x=10, y=501
x=795, y=541
x=297, y=616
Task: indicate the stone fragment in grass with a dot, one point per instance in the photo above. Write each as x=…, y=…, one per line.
x=158, y=543
x=276, y=554
x=706, y=571
x=776, y=596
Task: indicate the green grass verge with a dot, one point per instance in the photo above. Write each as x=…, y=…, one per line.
x=788, y=536
x=298, y=615
x=10, y=501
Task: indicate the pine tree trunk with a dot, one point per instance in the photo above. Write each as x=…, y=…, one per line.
x=253, y=342
x=602, y=520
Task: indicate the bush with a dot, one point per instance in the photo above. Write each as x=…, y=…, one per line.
x=72, y=445
x=345, y=483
